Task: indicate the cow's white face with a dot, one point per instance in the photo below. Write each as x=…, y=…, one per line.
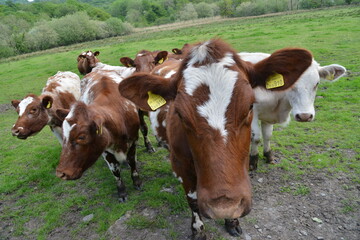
x=302, y=96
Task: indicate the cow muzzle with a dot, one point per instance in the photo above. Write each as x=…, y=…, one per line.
x=304, y=117
x=67, y=175
x=17, y=132
x=225, y=208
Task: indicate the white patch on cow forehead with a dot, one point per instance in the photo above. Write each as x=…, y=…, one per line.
x=221, y=82
x=140, y=55
x=67, y=129
x=199, y=53
x=23, y=105
x=66, y=125
x=169, y=74
x=89, y=53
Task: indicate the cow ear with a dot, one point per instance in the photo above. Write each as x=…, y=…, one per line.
x=97, y=125
x=281, y=69
x=160, y=57
x=62, y=113
x=176, y=51
x=97, y=53
x=15, y=103
x=147, y=91
x=332, y=72
x=47, y=102
x=127, y=62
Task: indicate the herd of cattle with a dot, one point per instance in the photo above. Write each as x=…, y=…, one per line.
x=204, y=102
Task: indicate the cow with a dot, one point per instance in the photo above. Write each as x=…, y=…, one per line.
x=103, y=123
x=275, y=107
x=158, y=117
x=209, y=123
x=145, y=61
x=87, y=61
x=91, y=63
x=35, y=112
x=179, y=54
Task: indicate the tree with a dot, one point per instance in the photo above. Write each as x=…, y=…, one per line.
x=187, y=13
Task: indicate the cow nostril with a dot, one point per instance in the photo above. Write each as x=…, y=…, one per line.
x=60, y=175
x=15, y=132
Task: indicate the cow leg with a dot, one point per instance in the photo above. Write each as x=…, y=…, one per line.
x=267, y=130
x=114, y=167
x=144, y=131
x=232, y=226
x=131, y=159
x=255, y=140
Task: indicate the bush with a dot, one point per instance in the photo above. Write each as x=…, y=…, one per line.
x=115, y=27
x=41, y=37
x=187, y=13
x=204, y=10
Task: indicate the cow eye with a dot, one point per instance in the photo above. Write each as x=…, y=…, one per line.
x=82, y=137
x=33, y=111
x=251, y=107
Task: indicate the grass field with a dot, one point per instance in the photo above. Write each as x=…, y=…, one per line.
x=37, y=205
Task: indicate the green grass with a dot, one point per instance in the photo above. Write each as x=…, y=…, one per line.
x=31, y=192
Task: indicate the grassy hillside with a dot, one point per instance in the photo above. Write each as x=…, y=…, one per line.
x=36, y=204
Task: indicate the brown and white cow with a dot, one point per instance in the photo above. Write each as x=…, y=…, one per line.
x=87, y=61
x=35, y=112
x=179, y=54
x=145, y=61
x=103, y=123
x=275, y=107
x=209, y=123
x=92, y=64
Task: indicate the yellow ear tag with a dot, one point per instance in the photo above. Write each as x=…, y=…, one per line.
x=48, y=105
x=330, y=77
x=155, y=101
x=274, y=81
x=99, y=131
x=161, y=61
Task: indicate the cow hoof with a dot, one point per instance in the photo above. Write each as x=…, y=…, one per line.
x=269, y=156
x=253, y=162
x=232, y=227
x=123, y=199
x=150, y=149
x=199, y=236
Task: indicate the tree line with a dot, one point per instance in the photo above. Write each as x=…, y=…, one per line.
x=38, y=25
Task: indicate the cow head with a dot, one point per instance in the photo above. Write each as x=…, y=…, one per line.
x=87, y=61
x=84, y=139
x=302, y=95
x=145, y=60
x=33, y=115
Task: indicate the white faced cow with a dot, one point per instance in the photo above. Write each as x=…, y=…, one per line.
x=35, y=112
x=274, y=107
x=209, y=123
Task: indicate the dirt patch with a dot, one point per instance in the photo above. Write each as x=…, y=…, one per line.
x=5, y=107
x=317, y=205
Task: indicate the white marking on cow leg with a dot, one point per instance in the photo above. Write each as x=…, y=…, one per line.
x=135, y=174
x=179, y=178
x=192, y=195
x=221, y=81
x=267, y=130
x=23, y=105
x=198, y=225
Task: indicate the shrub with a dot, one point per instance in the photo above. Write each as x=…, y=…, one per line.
x=116, y=27
x=204, y=10
x=41, y=37
x=187, y=13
